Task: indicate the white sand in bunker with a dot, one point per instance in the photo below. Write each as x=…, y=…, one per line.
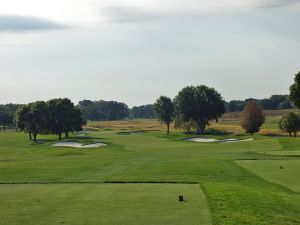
x=203, y=140
x=78, y=145
x=80, y=134
x=212, y=140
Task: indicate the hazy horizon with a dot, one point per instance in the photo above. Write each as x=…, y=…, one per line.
x=135, y=51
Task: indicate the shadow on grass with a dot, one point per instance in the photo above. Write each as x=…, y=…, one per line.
x=131, y=132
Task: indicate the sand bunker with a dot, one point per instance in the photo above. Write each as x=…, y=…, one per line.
x=203, y=140
x=236, y=140
x=211, y=140
x=78, y=145
x=80, y=134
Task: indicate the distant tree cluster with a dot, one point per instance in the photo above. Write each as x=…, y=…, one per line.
x=193, y=107
x=273, y=103
x=103, y=110
x=142, y=112
x=6, y=119
x=7, y=115
x=56, y=116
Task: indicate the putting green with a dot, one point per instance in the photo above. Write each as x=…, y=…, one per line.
x=270, y=170
x=107, y=204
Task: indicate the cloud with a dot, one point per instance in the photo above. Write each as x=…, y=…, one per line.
x=276, y=3
x=122, y=14
x=19, y=24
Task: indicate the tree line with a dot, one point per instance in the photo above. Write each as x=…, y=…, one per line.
x=103, y=110
x=113, y=110
x=91, y=110
x=57, y=116
x=273, y=103
x=143, y=112
x=193, y=108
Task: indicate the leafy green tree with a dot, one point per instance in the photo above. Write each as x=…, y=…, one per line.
x=64, y=117
x=6, y=119
x=200, y=104
x=295, y=91
x=180, y=122
x=22, y=117
x=290, y=123
x=33, y=119
x=253, y=117
x=165, y=110
x=75, y=121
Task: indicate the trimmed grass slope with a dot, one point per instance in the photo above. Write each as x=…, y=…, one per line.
x=283, y=172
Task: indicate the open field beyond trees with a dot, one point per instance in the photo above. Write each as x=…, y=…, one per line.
x=230, y=122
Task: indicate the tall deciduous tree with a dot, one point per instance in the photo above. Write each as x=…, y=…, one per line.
x=33, y=118
x=290, y=123
x=165, y=110
x=64, y=117
x=22, y=117
x=295, y=91
x=200, y=104
x=253, y=117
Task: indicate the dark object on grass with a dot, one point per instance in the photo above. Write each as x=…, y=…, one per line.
x=181, y=199
x=281, y=167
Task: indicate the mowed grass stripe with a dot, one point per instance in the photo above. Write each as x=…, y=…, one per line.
x=103, y=204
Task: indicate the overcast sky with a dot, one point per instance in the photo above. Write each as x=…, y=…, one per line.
x=134, y=51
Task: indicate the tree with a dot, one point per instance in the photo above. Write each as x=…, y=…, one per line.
x=253, y=117
x=200, y=104
x=75, y=121
x=64, y=117
x=5, y=119
x=33, y=119
x=295, y=91
x=23, y=119
x=290, y=123
x=165, y=110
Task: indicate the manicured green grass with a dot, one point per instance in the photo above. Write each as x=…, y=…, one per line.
x=285, y=153
x=234, y=194
x=283, y=172
x=102, y=204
